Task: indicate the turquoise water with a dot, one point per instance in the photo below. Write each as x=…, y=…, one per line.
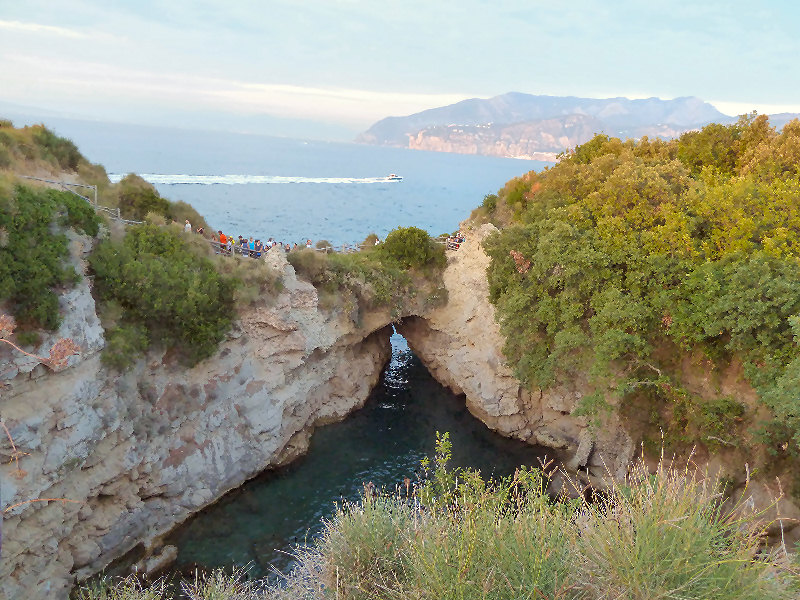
x=260, y=523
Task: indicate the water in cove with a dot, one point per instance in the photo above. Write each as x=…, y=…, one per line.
x=260, y=523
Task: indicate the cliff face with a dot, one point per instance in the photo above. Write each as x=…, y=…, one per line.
x=136, y=454
x=534, y=140
x=461, y=345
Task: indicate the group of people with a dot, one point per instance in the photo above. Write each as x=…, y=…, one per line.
x=252, y=247
x=255, y=247
x=455, y=241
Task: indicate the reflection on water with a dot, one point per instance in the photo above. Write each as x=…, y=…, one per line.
x=384, y=442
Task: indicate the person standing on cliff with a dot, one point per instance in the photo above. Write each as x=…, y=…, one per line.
x=187, y=227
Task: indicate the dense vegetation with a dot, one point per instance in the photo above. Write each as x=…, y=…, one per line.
x=456, y=536
x=33, y=260
x=159, y=286
x=626, y=256
x=390, y=274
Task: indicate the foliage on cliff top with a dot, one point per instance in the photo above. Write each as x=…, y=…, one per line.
x=625, y=248
x=33, y=255
x=160, y=286
x=389, y=274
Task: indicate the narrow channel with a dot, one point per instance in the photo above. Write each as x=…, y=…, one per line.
x=260, y=523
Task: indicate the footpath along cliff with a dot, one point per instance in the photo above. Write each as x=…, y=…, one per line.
x=138, y=453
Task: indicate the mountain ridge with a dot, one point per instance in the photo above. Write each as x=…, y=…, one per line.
x=522, y=125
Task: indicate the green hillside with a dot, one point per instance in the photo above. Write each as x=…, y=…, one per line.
x=643, y=262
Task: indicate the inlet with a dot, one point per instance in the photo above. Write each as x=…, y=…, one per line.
x=262, y=522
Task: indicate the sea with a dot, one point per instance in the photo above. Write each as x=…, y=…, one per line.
x=292, y=189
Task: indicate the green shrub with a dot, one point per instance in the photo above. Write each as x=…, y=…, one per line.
x=667, y=536
x=136, y=198
x=61, y=150
x=369, y=242
x=5, y=157
x=124, y=344
x=168, y=286
x=124, y=588
x=308, y=264
x=490, y=202
x=181, y=211
x=412, y=247
x=624, y=249
x=32, y=256
x=653, y=536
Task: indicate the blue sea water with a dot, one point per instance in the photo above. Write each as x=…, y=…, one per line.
x=303, y=188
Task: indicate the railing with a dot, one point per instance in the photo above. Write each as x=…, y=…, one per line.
x=113, y=213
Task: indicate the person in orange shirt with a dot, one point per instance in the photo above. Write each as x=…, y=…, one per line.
x=223, y=241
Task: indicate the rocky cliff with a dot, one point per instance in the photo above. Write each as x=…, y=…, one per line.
x=461, y=345
x=136, y=454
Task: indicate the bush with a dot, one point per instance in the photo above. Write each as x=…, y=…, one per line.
x=32, y=256
x=490, y=202
x=61, y=150
x=662, y=535
x=626, y=249
x=5, y=157
x=369, y=241
x=666, y=536
x=136, y=198
x=167, y=286
x=181, y=211
x=124, y=344
x=411, y=247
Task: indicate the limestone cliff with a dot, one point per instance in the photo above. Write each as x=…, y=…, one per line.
x=136, y=454
x=461, y=345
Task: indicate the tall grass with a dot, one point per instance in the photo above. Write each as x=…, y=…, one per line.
x=666, y=535
x=657, y=535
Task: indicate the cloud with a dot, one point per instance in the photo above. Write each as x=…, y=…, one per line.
x=763, y=108
x=85, y=83
x=39, y=28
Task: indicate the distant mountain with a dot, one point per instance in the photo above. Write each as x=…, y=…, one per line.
x=524, y=125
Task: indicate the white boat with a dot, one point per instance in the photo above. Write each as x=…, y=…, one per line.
x=394, y=177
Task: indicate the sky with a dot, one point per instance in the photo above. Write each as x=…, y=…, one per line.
x=334, y=67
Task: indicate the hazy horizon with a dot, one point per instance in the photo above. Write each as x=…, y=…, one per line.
x=329, y=69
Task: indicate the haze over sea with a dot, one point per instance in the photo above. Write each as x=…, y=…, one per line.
x=293, y=189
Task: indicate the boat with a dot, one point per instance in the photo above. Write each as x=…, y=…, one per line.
x=394, y=177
